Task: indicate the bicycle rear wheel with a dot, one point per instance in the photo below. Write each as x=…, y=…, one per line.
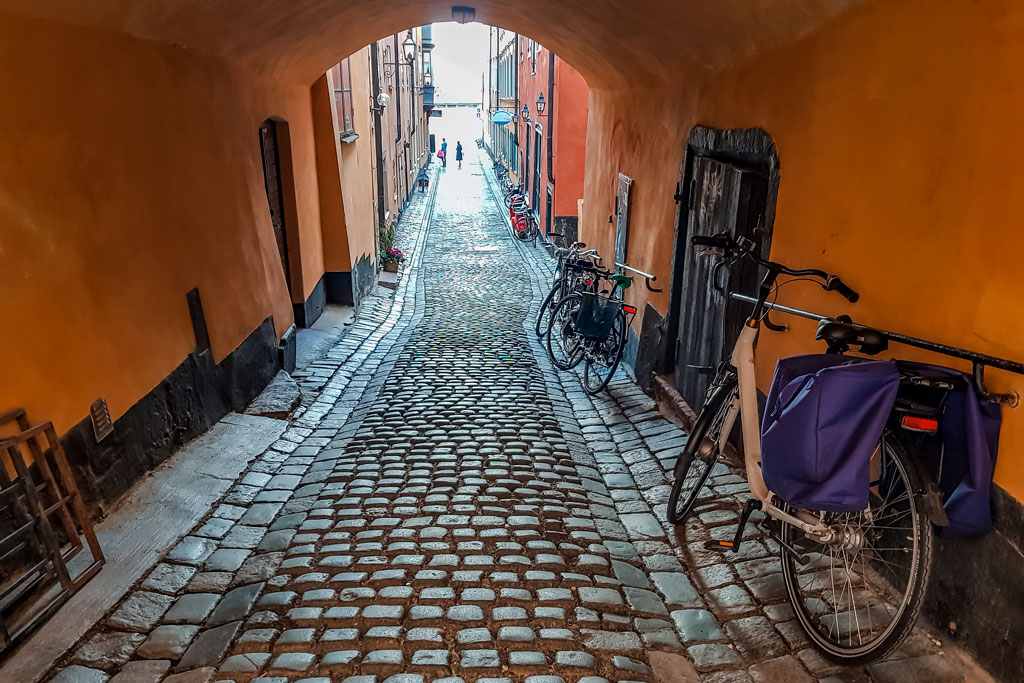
x=565, y=344
x=603, y=357
x=700, y=454
x=859, y=596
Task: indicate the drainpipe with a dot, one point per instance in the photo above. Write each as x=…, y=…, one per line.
x=515, y=71
x=377, y=136
x=551, y=114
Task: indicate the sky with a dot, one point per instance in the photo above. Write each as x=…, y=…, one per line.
x=460, y=61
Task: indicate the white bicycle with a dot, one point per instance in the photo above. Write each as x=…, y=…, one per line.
x=856, y=580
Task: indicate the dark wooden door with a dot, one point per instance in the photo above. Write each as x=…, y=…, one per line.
x=723, y=198
x=275, y=194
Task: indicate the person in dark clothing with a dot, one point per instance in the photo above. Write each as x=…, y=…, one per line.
x=458, y=153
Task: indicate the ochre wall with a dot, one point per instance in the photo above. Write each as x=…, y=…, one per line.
x=333, y=229
x=127, y=179
x=570, y=137
x=356, y=169
x=898, y=132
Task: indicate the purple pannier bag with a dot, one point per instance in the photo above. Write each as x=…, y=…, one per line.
x=824, y=417
x=963, y=454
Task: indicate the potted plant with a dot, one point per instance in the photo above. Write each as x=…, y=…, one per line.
x=391, y=258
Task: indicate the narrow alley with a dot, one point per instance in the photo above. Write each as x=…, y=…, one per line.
x=452, y=509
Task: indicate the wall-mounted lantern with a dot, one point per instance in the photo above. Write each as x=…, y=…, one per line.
x=541, y=104
x=526, y=113
x=409, y=46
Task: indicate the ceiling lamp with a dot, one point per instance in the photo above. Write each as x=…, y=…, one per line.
x=463, y=14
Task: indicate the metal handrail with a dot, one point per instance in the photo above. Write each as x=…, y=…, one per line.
x=647, y=276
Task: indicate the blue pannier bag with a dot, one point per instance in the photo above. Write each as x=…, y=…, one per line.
x=824, y=417
x=963, y=454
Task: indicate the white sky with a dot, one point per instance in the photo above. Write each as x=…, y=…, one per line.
x=460, y=61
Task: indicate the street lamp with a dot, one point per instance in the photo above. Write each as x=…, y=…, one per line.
x=428, y=79
x=463, y=14
x=526, y=113
x=540, y=104
x=409, y=46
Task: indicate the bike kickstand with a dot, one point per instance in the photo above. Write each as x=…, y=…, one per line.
x=734, y=545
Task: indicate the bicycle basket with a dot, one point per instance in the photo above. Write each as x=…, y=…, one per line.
x=596, y=316
x=824, y=417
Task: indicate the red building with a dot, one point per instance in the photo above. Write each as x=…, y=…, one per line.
x=552, y=136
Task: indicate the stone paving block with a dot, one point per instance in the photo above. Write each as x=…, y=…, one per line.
x=930, y=669
x=167, y=642
x=696, y=625
x=236, y=605
x=191, y=608
x=108, y=650
x=140, y=611
x=755, y=638
x=677, y=589
x=141, y=671
x=80, y=674
x=168, y=578
x=204, y=675
x=192, y=550
x=210, y=647
x=789, y=669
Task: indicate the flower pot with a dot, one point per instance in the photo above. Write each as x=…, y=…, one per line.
x=390, y=267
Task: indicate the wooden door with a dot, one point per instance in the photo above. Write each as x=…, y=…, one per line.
x=723, y=198
x=272, y=181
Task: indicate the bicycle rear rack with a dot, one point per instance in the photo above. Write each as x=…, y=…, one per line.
x=978, y=360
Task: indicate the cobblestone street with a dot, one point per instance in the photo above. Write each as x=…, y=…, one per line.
x=446, y=506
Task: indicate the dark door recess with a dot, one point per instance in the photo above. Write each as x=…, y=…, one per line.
x=275, y=193
x=727, y=198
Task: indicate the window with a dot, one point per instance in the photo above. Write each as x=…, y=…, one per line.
x=342, y=82
x=533, y=57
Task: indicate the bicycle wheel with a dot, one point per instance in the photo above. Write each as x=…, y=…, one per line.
x=701, y=453
x=859, y=596
x=603, y=357
x=521, y=229
x=565, y=345
x=550, y=301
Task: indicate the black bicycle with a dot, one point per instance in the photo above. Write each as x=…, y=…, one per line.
x=573, y=266
x=590, y=327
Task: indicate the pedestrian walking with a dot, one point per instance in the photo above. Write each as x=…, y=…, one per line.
x=458, y=153
x=444, y=153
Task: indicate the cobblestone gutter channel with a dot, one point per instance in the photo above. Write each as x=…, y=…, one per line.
x=449, y=508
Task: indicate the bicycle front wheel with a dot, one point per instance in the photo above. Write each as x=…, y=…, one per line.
x=603, y=357
x=700, y=454
x=522, y=229
x=859, y=596
x=544, y=314
x=565, y=344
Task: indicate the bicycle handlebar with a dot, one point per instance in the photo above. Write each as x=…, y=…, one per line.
x=830, y=283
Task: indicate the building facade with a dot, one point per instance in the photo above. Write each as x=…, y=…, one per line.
x=502, y=90
x=552, y=130
x=545, y=144
x=380, y=106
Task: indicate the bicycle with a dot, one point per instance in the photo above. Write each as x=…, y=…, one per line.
x=525, y=228
x=570, y=271
x=590, y=326
x=857, y=580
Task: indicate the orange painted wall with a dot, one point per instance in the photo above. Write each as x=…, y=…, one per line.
x=357, y=174
x=333, y=229
x=571, y=110
x=898, y=131
x=126, y=179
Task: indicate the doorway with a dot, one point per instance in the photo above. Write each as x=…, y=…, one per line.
x=271, y=155
x=729, y=183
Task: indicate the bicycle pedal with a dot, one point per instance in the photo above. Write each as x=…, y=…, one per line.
x=720, y=546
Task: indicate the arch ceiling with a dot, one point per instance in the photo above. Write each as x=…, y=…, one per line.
x=612, y=42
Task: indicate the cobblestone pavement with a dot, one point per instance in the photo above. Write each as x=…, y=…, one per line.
x=449, y=508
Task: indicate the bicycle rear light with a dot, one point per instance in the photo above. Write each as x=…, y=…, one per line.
x=919, y=424
x=629, y=309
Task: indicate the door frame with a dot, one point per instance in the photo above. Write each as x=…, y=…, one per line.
x=750, y=147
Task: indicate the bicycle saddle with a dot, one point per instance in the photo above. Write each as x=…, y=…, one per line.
x=841, y=336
